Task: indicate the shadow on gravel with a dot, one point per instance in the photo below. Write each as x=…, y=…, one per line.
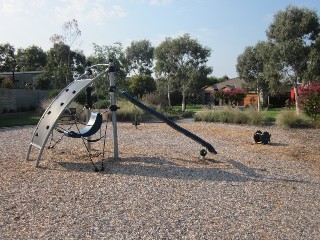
x=162, y=168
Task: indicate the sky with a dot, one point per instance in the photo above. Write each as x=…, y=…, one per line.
x=227, y=27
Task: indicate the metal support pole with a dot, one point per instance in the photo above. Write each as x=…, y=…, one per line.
x=113, y=109
x=88, y=108
x=89, y=138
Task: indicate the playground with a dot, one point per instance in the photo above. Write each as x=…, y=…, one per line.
x=159, y=188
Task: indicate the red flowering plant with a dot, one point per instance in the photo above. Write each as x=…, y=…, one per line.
x=233, y=96
x=309, y=99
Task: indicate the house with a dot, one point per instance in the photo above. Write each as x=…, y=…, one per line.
x=21, y=78
x=209, y=93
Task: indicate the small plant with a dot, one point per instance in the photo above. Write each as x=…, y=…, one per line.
x=290, y=119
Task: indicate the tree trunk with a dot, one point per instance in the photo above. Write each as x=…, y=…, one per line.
x=183, y=107
x=296, y=99
x=259, y=103
x=169, y=97
x=258, y=93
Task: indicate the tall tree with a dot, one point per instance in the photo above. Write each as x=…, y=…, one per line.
x=70, y=34
x=182, y=60
x=32, y=58
x=257, y=65
x=294, y=31
x=250, y=68
x=114, y=52
x=163, y=70
x=64, y=64
x=139, y=56
x=7, y=58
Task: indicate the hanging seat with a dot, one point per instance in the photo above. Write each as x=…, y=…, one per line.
x=93, y=125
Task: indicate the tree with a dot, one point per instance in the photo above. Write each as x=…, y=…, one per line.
x=313, y=65
x=259, y=66
x=7, y=58
x=163, y=70
x=139, y=56
x=223, y=78
x=140, y=85
x=32, y=58
x=114, y=52
x=212, y=80
x=70, y=33
x=183, y=62
x=250, y=68
x=43, y=81
x=64, y=64
x=294, y=32
x=310, y=99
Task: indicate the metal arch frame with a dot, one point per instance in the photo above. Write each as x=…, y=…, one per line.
x=51, y=115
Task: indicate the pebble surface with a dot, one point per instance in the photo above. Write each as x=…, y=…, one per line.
x=160, y=189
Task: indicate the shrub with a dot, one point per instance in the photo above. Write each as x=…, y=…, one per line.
x=127, y=112
x=230, y=115
x=240, y=117
x=53, y=93
x=254, y=117
x=103, y=103
x=7, y=83
x=225, y=115
x=233, y=96
x=290, y=119
x=207, y=116
x=155, y=99
x=309, y=99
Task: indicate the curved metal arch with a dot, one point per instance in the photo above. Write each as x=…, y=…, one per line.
x=51, y=115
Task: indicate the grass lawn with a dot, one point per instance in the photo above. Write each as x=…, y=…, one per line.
x=271, y=114
x=19, y=119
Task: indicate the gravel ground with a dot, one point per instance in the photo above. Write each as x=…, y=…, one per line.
x=160, y=189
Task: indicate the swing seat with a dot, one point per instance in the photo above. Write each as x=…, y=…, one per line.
x=93, y=125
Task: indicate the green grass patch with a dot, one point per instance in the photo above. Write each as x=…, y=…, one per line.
x=270, y=115
x=19, y=119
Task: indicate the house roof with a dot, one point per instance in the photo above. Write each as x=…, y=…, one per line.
x=231, y=84
x=22, y=77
